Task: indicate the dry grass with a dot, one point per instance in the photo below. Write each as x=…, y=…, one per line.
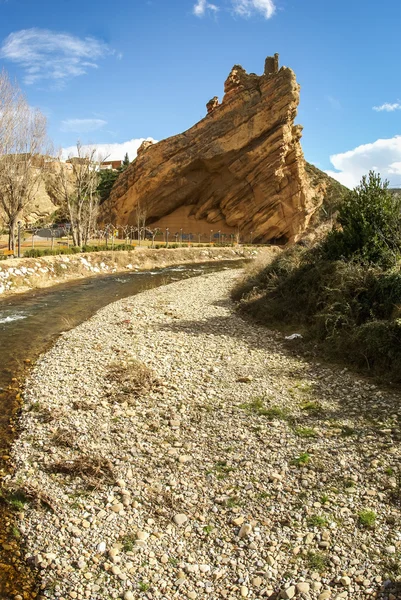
x=82, y=405
x=133, y=379
x=252, y=271
x=92, y=469
x=17, y=497
x=63, y=437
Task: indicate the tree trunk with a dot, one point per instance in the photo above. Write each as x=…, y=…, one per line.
x=11, y=233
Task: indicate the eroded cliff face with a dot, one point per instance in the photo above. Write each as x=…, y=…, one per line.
x=241, y=165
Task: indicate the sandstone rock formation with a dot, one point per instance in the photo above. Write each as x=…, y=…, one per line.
x=40, y=209
x=242, y=165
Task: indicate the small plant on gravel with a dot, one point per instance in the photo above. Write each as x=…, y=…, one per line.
x=144, y=586
x=128, y=542
x=311, y=406
x=367, y=519
x=317, y=521
x=316, y=561
x=221, y=469
x=301, y=460
x=15, y=532
x=389, y=471
x=51, y=585
x=257, y=406
x=305, y=432
x=300, y=387
x=15, y=499
x=208, y=529
x=324, y=499
x=232, y=502
x=34, y=407
x=347, y=431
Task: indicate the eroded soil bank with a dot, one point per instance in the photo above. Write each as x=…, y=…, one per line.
x=20, y=275
x=170, y=449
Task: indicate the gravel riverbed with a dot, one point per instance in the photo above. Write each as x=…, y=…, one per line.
x=170, y=449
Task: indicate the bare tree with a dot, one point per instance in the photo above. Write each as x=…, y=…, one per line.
x=23, y=147
x=75, y=186
x=153, y=233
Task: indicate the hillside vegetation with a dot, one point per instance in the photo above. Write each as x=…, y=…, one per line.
x=344, y=293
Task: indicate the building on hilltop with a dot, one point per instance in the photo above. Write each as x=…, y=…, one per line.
x=113, y=165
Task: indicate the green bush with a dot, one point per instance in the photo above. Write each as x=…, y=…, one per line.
x=370, y=220
x=352, y=309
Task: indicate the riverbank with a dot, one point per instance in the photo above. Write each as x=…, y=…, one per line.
x=169, y=449
x=19, y=275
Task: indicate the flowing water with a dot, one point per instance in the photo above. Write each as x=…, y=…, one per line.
x=29, y=324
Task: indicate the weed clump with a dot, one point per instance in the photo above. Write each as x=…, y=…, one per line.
x=302, y=460
x=367, y=519
x=305, y=432
x=132, y=378
x=316, y=561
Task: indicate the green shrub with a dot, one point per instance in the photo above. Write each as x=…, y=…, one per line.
x=370, y=219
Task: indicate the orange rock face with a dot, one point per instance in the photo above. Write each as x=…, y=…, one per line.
x=242, y=165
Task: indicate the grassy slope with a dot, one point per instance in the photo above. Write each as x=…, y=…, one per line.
x=352, y=311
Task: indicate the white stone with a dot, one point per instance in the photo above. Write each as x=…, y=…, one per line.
x=180, y=519
x=245, y=530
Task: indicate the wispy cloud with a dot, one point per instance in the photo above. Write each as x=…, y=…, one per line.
x=51, y=55
x=112, y=151
x=334, y=102
x=382, y=156
x=82, y=125
x=247, y=8
x=243, y=8
x=388, y=107
x=202, y=6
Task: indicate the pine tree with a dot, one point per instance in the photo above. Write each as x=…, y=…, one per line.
x=125, y=162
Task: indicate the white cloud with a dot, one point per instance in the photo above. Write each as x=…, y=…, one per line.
x=246, y=8
x=111, y=151
x=243, y=8
x=202, y=6
x=388, y=107
x=82, y=125
x=382, y=156
x=51, y=55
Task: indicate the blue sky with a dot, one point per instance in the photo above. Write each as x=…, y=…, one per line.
x=117, y=72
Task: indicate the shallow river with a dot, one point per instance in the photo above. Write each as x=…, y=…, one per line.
x=29, y=324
